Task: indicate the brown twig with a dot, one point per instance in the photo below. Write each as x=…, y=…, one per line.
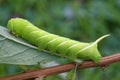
x=62, y=68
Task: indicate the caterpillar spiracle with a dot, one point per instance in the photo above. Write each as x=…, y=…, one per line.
x=54, y=43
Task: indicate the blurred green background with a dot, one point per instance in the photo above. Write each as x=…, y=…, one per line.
x=82, y=20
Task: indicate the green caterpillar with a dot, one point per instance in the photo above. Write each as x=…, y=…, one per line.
x=54, y=43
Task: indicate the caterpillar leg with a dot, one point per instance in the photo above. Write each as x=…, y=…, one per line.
x=11, y=32
x=78, y=61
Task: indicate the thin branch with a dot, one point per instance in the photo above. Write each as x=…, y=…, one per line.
x=105, y=61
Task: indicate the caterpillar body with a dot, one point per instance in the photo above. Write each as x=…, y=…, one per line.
x=54, y=43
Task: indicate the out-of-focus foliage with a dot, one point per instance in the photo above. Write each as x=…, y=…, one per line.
x=82, y=20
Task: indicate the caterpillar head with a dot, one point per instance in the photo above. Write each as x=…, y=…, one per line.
x=16, y=25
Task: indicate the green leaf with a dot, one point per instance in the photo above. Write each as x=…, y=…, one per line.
x=71, y=75
x=40, y=78
x=14, y=50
